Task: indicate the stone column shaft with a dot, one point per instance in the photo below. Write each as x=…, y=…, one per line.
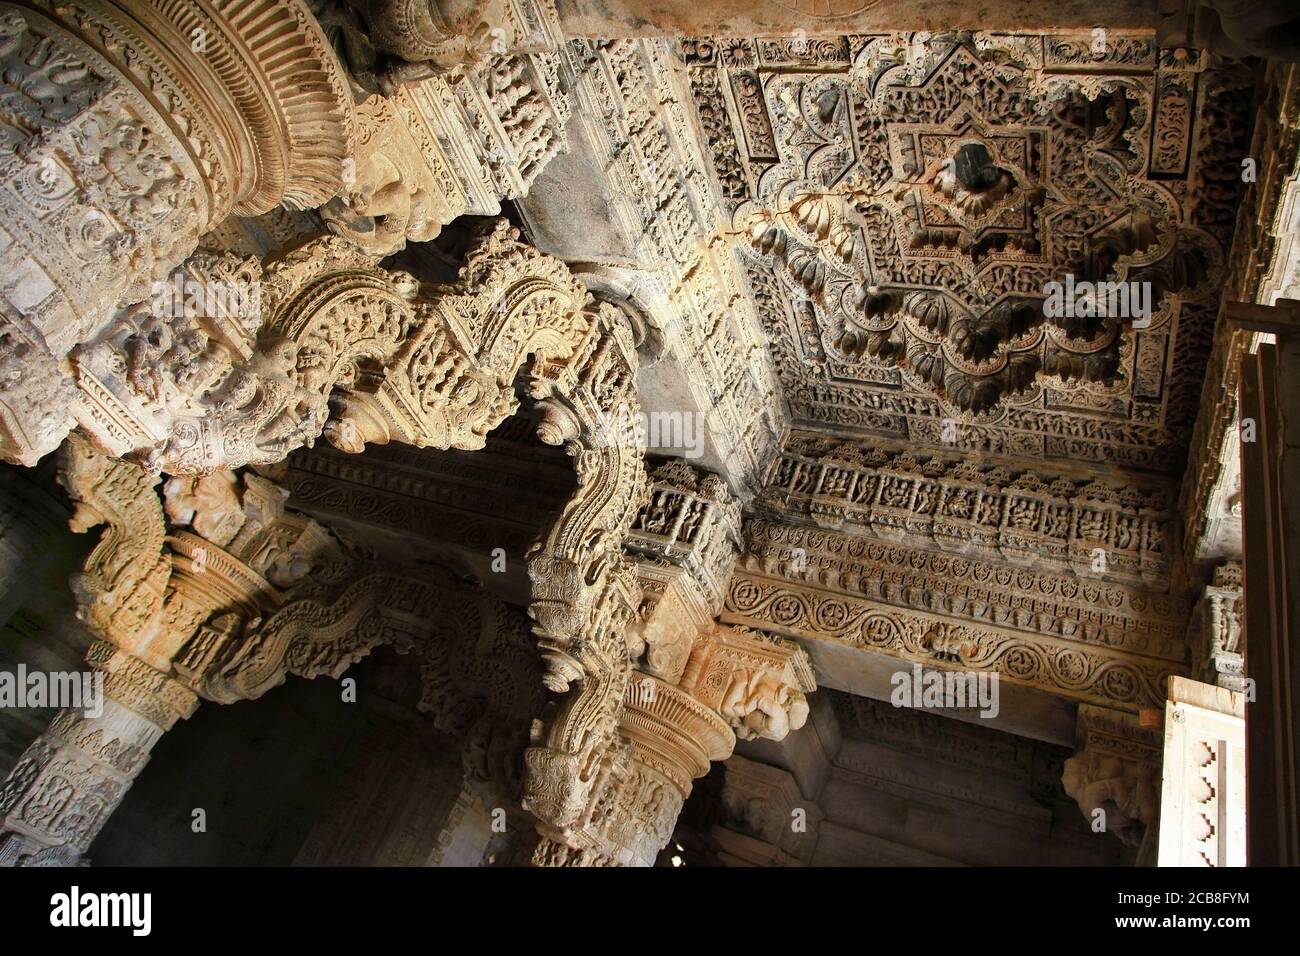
x=74, y=775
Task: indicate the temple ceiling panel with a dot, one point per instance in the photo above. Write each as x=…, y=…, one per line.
x=905, y=207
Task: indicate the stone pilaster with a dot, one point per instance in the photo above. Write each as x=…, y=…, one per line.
x=1203, y=796
x=695, y=689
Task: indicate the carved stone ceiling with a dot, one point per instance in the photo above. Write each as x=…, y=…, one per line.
x=902, y=203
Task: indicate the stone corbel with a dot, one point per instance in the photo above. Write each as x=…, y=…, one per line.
x=471, y=111
x=391, y=42
x=398, y=187
x=1115, y=774
x=757, y=682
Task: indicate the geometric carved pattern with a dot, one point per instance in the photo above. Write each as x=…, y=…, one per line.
x=906, y=201
x=1081, y=672
x=983, y=592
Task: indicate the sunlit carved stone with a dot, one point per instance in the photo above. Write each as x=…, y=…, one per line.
x=111, y=194
x=233, y=228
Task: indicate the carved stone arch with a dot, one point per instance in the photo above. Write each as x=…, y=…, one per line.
x=453, y=381
x=586, y=595
x=477, y=667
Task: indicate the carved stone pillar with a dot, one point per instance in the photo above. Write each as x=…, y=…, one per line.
x=666, y=739
x=1203, y=797
x=68, y=782
x=71, y=778
x=1270, y=474
x=695, y=688
x=1115, y=775
x=164, y=606
x=130, y=129
x=585, y=591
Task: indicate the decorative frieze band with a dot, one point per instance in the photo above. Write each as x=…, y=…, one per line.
x=1092, y=528
x=1066, y=668
x=1057, y=605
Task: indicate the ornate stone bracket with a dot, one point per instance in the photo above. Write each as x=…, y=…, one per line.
x=1115, y=776
x=1214, y=635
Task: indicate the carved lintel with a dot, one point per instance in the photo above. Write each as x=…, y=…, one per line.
x=122, y=589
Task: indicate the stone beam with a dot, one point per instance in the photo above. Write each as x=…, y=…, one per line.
x=1071, y=670
x=631, y=18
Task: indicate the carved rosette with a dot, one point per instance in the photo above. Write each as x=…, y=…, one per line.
x=134, y=128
